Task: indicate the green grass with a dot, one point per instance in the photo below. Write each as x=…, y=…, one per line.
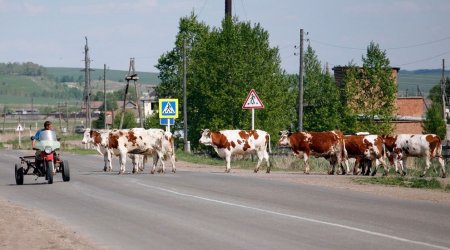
x=409, y=182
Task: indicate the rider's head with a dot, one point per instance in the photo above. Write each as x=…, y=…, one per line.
x=47, y=125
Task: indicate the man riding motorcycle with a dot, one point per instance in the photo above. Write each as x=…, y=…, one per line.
x=37, y=137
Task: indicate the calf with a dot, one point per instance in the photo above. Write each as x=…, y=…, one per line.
x=329, y=145
x=365, y=149
x=401, y=146
x=227, y=143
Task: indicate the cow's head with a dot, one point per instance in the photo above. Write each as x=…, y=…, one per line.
x=284, y=138
x=205, y=137
x=86, y=136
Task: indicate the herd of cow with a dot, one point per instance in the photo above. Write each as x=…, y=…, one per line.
x=337, y=148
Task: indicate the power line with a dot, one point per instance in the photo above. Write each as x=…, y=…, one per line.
x=336, y=46
x=425, y=59
x=392, y=48
x=419, y=44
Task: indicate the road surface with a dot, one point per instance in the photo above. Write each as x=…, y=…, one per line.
x=214, y=210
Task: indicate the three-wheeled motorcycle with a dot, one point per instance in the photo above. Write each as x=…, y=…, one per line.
x=45, y=163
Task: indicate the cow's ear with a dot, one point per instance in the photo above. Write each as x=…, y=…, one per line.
x=280, y=133
x=289, y=133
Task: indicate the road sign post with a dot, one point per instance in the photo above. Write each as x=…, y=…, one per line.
x=19, y=129
x=253, y=102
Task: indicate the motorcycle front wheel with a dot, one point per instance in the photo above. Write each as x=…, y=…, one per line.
x=49, y=171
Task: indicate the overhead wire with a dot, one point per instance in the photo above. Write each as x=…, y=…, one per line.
x=395, y=48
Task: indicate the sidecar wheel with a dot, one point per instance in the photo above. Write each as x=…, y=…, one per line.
x=65, y=171
x=19, y=174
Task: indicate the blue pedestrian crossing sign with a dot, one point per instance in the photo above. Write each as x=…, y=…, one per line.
x=168, y=108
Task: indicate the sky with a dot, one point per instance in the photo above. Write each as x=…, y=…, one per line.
x=414, y=33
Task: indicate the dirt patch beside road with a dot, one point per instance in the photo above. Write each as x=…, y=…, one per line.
x=28, y=229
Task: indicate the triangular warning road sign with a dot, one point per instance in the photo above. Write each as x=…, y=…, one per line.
x=252, y=101
x=19, y=128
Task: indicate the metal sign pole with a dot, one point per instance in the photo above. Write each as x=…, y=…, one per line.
x=20, y=142
x=253, y=119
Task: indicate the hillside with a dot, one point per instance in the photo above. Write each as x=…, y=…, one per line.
x=410, y=81
x=97, y=74
x=59, y=86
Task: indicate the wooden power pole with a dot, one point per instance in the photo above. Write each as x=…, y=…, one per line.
x=300, y=85
x=443, y=89
x=228, y=9
x=87, y=84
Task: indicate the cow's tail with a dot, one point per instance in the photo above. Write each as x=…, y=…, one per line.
x=438, y=147
x=270, y=147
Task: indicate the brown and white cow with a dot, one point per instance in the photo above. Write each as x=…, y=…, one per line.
x=329, y=144
x=401, y=146
x=227, y=143
x=99, y=139
x=365, y=149
x=139, y=141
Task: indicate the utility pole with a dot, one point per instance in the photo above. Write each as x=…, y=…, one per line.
x=187, y=146
x=228, y=8
x=104, y=96
x=132, y=75
x=300, y=85
x=443, y=90
x=87, y=84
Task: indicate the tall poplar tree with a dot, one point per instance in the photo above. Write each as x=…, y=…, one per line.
x=370, y=92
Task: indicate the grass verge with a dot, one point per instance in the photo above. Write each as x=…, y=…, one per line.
x=409, y=182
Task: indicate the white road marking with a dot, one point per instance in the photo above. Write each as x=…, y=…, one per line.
x=295, y=217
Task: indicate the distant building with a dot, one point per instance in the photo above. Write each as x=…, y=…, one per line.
x=94, y=106
x=149, y=101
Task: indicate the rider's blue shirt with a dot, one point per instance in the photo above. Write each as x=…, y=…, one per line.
x=38, y=134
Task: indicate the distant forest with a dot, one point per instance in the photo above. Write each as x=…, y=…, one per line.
x=24, y=69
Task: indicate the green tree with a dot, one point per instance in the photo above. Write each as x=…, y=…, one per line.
x=434, y=123
x=223, y=65
x=370, y=92
x=129, y=119
x=321, y=96
x=152, y=121
x=100, y=122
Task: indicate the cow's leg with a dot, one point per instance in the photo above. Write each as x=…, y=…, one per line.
x=135, y=159
x=345, y=168
x=172, y=160
x=442, y=163
x=403, y=165
x=305, y=160
x=427, y=166
x=357, y=166
x=123, y=161
x=140, y=163
x=106, y=159
x=155, y=162
x=228, y=160
x=266, y=157
x=367, y=167
x=260, y=158
x=163, y=165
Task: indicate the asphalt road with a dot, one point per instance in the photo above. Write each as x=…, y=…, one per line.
x=214, y=210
